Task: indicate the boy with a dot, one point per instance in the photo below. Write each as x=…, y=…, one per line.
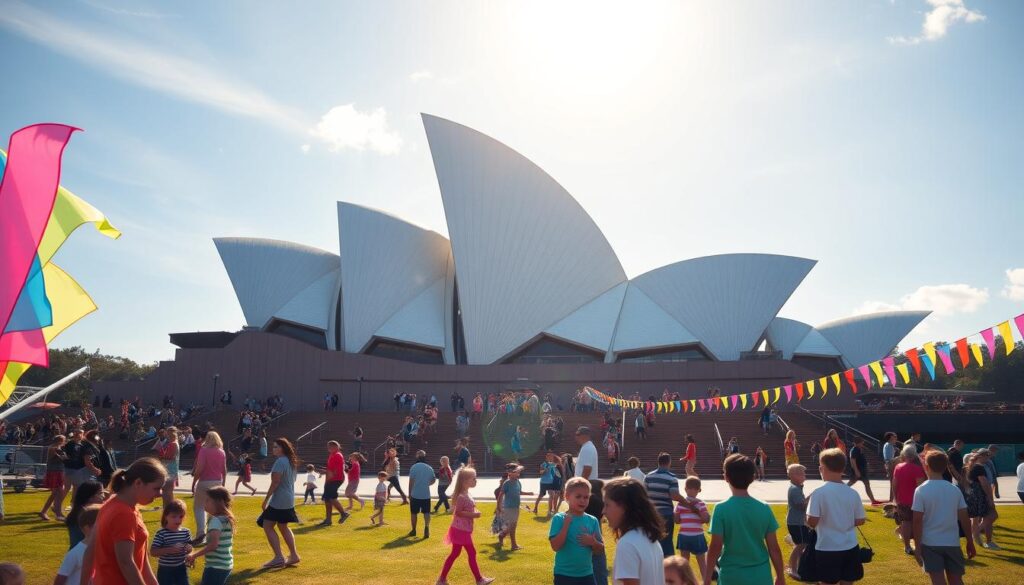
x=796, y=515
x=380, y=497
x=834, y=512
x=691, y=516
x=70, y=572
x=310, y=494
x=745, y=528
x=575, y=536
x=508, y=504
x=938, y=507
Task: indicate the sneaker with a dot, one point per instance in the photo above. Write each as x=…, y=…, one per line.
x=325, y=523
x=485, y=581
x=426, y=533
x=411, y=533
x=908, y=550
x=344, y=517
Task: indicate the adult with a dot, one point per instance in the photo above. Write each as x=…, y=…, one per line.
x=956, y=461
x=393, y=467
x=791, y=447
x=915, y=441
x=79, y=467
x=169, y=456
x=210, y=470
x=981, y=504
x=54, y=480
x=335, y=477
x=586, y=461
x=765, y=420
x=690, y=458
x=907, y=475
x=832, y=441
x=640, y=425
x=105, y=460
x=462, y=454
x=1020, y=476
x=357, y=438
x=118, y=551
x=421, y=477
x=663, y=490
x=859, y=469
x=279, y=505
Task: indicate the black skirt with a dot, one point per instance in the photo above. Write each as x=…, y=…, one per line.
x=279, y=515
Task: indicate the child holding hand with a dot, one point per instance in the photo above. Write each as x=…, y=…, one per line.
x=575, y=536
x=171, y=545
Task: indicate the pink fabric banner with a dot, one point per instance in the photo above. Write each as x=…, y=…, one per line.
x=990, y=342
x=1019, y=320
x=24, y=346
x=947, y=362
x=735, y=399
x=789, y=393
x=703, y=406
x=865, y=373
x=889, y=365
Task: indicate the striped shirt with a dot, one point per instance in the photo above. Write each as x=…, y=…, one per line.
x=661, y=485
x=165, y=538
x=221, y=558
x=691, y=523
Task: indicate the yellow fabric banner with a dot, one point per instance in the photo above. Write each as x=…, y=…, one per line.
x=743, y=400
x=929, y=349
x=1004, y=330
x=904, y=371
x=764, y=397
x=778, y=391
x=810, y=388
x=70, y=212
x=835, y=382
x=876, y=367
x=724, y=401
x=823, y=382
x=693, y=406
x=976, y=350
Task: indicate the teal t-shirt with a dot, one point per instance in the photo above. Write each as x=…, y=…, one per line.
x=574, y=559
x=512, y=489
x=743, y=522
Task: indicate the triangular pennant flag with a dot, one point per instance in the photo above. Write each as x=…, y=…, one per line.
x=679, y=405
x=876, y=367
x=990, y=342
x=947, y=362
x=756, y=397
x=810, y=388
x=904, y=371
x=703, y=404
x=799, y=391
x=735, y=400
x=777, y=394
x=915, y=361
x=823, y=382
x=743, y=400
x=976, y=352
x=961, y=350
x=835, y=382
x=1019, y=320
x=1007, y=333
x=865, y=374
x=928, y=366
x=724, y=401
x=764, y=397
x=929, y=350
x=849, y=378
x=693, y=405
x=887, y=363
x=789, y=393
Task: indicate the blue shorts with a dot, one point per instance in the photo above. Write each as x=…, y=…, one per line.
x=696, y=544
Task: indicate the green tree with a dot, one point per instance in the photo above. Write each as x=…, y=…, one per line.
x=101, y=367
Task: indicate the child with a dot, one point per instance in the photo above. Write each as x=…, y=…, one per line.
x=444, y=479
x=596, y=509
x=508, y=504
x=834, y=512
x=691, y=516
x=219, y=536
x=638, y=528
x=575, y=536
x=745, y=529
x=171, y=545
x=460, y=533
x=938, y=508
x=760, y=461
x=796, y=516
x=678, y=572
x=310, y=485
x=11, y=574
x=245, y=474
x=380, y=497
x=70, y=572
x=354, y=469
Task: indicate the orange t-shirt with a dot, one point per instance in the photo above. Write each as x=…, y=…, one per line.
x=117, y=522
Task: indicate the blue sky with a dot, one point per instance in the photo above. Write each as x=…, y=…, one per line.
x=882, y=138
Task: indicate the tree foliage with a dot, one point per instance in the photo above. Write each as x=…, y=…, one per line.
x=1004, y=376
x=101, y=367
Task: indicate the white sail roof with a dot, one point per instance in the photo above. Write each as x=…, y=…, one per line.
x=865, y=338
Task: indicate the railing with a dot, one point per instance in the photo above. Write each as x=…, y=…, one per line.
x=847, y=431
x=374, y=454
x=316, y=429
x=721, y=445
x=782, y=423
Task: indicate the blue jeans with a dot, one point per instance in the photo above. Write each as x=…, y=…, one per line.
x=215, y=576
x=172, y=575
x=667, y=546
x=600, y=562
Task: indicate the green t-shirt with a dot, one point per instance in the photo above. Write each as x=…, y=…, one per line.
x=574, y=559
x=743, y=522
x=221, y=557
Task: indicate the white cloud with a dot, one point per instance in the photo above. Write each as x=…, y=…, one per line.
x=421, y=75
x=944, y=14
x=942, y=299
x=305, y=148
x=136, y=63
x=346, y=127
x=1014, y=289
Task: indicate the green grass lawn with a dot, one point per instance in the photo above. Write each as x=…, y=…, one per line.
x=358, y=553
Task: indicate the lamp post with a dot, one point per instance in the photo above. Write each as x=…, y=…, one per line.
x=360, y=408
x=213, y=399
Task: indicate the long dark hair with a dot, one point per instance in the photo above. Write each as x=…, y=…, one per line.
x=147, y=469
x=86, y=492
x=631, y=496
x=288, y=450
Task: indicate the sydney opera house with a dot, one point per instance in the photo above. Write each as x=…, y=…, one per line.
x=526, y=290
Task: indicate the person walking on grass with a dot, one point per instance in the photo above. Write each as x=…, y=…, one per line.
x=421, y=477
x=663, y=489
x=355, y=461
x=905, y=478
x=507, y=505
x=586, y=462
x=393, y=467
x=279, y=506
x=859, y=469
x=637, y=528
x=796, y=516
x=834, y=512
x=54, y=480
x=550, y=482
x=460, y=533
x=380, y=497
x=220, y=559
x=335, y=475
x=691, y=515
x=940, y=513
x=444, y=479
x=210, y=470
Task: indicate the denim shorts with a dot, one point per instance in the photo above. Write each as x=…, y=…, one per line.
x=692, y=543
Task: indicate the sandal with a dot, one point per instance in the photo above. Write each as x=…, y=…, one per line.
x=292, y=561
x=275, y=563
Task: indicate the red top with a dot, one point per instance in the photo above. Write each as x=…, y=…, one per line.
x=353, y=470
x=905, y=477
x=790, y=447
x=336, y=467
x=444, y=473
x=117, y=522
x=691, y=452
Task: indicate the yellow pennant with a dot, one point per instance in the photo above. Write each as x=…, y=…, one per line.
x=764, y=396
x=904, y=371
x=929, y=349
x=876, y=367
x=1004, y=330
x=743, y=400
x=835, y=382
x=724, y=401
x=976, y=350
x=693, y=405
x=777, y=392
x=823, y=382
x=810, y=388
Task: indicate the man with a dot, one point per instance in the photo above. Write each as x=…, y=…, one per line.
x=915, y=440
x=79, y=464
x=421, y=476
x=993, y=480
x=956, y=460
x=335, y=477
x=462, y=454
x=663, y=489
x=859, y=469
x=939, y=508
x=586, y=462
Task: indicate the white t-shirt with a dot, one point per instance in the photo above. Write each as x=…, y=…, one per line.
x=636, y=557
x=939, y=501
x=837, y=506
x=71, y=567
x=587, y=457
x=311, y=479
x=636, y=474
x=1020, y=478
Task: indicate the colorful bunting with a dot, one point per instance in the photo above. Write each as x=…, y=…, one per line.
x=904, y=371
x=764, y=397
x=756, y=397
x=976, y=351
x=990, y=342
x=1019, y=320
x=734, y=401
x=849, y=379
x=915, y=361
x=929, y=350
x=1007, y=334
x=876, y=367
x=810, y=388
x=929, y=365
x=789, y=393
x=947, y=362
x=777, y=393
x=887, y=363
x=865, y=375
x=961, y=350
x=743, y=401
x=835, y=382
x=823, y=382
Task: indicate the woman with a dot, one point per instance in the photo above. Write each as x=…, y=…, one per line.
x=791, y=446
x=691, y=456
x=980, y=504
x=279, y=505
x=832, y=441
x=210, y=470
x=550, y=482
x=262, y=452
x=54, y=480
x=357, y=438
x=118, y=551
x=170, y=455
x=638, y=530
x=90, y=492
x=393, y=467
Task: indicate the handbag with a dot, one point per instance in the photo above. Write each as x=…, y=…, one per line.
x=866, y=552
x=807, y=565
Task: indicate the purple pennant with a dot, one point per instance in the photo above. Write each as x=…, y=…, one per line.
x=789, y=392
x=1019, y=320
x=944, y=357
x=865, y=372
x=990, y=342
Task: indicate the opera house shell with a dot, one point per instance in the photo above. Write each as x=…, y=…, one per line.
x=527, y=286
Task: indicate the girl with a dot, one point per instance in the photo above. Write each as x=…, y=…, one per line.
x=638, y=529
x=460, y=533
x=832, y=441
x=791, y=446
x=279, y=505
x=760, y=461
x=380, y=497
x=210, y=470
x=90, y=492
x=677, y=572
x=169, y=455
x=444, y=479
x=392, y=466
x=354, y=469
x=310, y=485
x=219, y=557
x=691, y=456
x=171, y=545
x=550, y=482
x=118, y=551
x=612, y=447
x=245, y=474
x=54, y=480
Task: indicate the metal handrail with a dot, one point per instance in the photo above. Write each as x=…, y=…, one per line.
x=310, y=431
x=375, y=449
x=847, y=429
x=783, y=423
x=721, y=445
